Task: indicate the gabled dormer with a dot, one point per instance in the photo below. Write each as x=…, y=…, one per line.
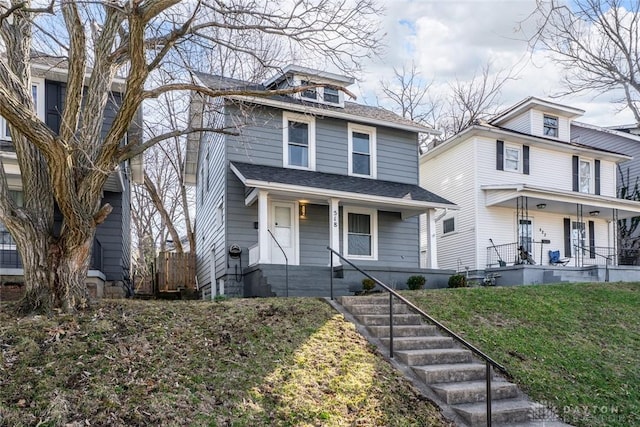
x=326, y=92
x=538, y=117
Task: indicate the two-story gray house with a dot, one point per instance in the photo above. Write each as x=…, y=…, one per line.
x=111, y=249
x=293, y=174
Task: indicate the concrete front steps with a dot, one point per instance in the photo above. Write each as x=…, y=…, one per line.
x=451, y=373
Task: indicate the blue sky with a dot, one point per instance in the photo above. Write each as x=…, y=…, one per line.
x=452, y=39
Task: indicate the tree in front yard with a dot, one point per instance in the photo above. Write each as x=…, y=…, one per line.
x=99, y=43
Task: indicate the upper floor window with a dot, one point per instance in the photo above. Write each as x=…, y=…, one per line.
x=311, y=93
x=550, y=126
x=512, y=155
x=298, y=141
x=585, y=176
x=331, y=95
x=362, y=150
x=37, y=93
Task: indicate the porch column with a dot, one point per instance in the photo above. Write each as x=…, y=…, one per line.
x=263, y=225
x=334, y=229
x=432, y=247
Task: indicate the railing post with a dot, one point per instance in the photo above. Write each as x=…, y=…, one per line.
x=390, y=325
x=331, y=274
x=488, y=373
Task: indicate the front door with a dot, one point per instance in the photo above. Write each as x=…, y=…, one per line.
x=283, y=227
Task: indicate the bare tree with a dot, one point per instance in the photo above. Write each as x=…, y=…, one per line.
x=597, y=43
x=450, y=111
x=96, y=41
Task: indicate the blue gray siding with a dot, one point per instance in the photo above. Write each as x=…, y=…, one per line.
x=114, y=237
x=314, y=236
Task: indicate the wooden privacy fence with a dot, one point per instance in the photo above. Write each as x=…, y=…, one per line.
x=175, y=272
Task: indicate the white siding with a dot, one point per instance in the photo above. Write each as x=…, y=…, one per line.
x=521, y=123
x=451, y=174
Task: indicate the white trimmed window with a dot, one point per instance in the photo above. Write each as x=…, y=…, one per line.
x=37, y=92
x=299, y=141
x=550, y=126
x=448, y=226
x=362, y=150
x=512, y=158
x=360, y=233
x=584, y=176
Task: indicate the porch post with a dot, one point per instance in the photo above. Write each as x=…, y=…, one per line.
x=263, y=225
x=432, y=247
x=334, y=229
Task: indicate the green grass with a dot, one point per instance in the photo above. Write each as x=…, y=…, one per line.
x=268, y=362
x=574, y=346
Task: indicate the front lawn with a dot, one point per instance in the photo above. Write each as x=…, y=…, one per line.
x=574, y=346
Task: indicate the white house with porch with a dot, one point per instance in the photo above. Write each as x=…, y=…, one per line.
x=525, y=186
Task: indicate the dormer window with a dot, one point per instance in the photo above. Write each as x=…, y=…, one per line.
x=331, y=95
x=309, y=93
x=550, y=126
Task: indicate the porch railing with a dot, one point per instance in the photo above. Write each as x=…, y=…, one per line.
x=593, y=255
x=489, y=362
x=539, y=252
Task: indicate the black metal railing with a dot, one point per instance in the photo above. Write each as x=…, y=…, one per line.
x=593, y=255
x=489, y=362
x=509, y=253
x=286, y=264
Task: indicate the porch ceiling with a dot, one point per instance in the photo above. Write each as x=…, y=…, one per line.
x=558, y=201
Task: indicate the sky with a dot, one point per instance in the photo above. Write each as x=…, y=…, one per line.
x=453, y=39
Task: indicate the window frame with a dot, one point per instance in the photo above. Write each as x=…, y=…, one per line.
x=320, y=93
x=555, y=128
x=590, y=162
x=453, y=222
x=38, y=84
x=519, y=150
x=373, y=215
x=311, y=139
x=371, y=131
x=18, y=198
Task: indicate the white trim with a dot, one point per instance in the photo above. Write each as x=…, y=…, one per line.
x=519, y=150
x=334, y=229
x=373, y=161
x=373, y=214
x=311, y=148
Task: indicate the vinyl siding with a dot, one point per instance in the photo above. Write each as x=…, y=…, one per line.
x=537, y=125
x=111, y=236
x=452, y=174
x=521, y=123
x=314, y=236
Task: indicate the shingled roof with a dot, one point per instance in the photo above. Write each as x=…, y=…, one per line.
x=335, y=182
x=350, y=108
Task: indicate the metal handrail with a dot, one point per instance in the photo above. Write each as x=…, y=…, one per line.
x=593, y=251
x=488, y=360
x=286, y=264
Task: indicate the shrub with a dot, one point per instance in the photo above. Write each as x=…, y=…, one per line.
x=458, y=281
x=416, y=282
x=368, y=285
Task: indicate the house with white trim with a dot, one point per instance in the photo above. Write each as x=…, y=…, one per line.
x=530, y=178
x=290, y=175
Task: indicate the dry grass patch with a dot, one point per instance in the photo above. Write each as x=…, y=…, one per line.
x=261, y=362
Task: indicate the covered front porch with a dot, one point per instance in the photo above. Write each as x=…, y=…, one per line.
x=582, y=229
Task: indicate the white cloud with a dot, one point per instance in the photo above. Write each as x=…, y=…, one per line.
x=451, y=40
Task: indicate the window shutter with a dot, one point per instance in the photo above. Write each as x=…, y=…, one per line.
x=567, y=237
x=597, y=176
x=592, y=240
x=525, y=159
x=500, y=155
x=576, y=176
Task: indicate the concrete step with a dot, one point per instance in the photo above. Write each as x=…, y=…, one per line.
x=378, y=309
x=348, y=301
x=434, y=356
x=400, y=331
x=506, y=411
x=474, y=391
x=419, y=343
x=383, y=319
x=446, y=373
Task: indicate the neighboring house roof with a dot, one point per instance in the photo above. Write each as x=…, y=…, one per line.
x=351, y=111
x=610, y=130
x=492, y=131
x=542, y=104
x=335, y=185
x=304, y=71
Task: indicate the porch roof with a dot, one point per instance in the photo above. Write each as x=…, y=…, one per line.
x=559, y=201
x=322, y=186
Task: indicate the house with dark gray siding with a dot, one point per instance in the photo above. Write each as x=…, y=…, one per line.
x=294, y=174
x=110, y=257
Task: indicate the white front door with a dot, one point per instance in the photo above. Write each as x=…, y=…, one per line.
x=283, y=227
